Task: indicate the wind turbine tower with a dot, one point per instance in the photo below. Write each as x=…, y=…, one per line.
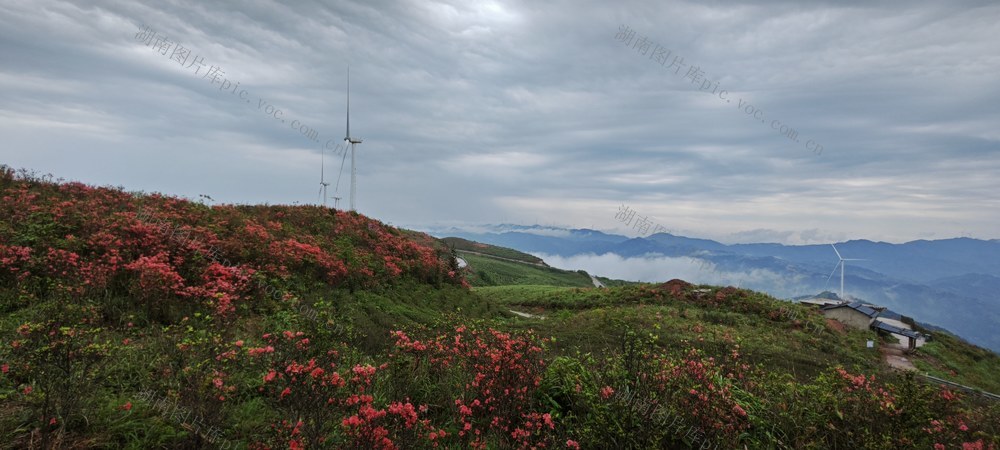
x=322, y=176
x=841, y=264
x=353, y=141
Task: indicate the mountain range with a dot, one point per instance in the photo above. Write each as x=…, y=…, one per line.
x=951, y=283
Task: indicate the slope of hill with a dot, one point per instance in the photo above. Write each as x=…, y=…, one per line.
x=490, y=265
x=145, y=321
x=952, y=283
x=488, y=271
x=974, y=285
x=491, y=250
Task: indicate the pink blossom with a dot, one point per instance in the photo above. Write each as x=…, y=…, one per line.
x=607, y=391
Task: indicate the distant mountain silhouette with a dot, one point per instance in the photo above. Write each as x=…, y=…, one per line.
x=953, y=283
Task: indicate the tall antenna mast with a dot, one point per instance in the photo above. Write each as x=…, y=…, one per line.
x=352, y=141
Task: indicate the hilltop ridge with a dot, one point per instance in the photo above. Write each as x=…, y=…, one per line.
x=139, y=321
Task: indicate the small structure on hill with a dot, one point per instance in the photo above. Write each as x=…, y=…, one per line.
x=864, y=316
x=911, y=337
x=855, y=314
x=819, y=302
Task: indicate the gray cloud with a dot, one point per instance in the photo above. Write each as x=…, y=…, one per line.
x=476, y=112
x=659, y=268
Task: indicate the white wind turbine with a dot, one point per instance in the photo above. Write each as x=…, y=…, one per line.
x=841, y=264
x=352, y=141
x=322, y=176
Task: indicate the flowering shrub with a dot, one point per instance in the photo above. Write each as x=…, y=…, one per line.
x=493, y=376
x=864, y=392
x=703, y=389
x=80, y=262
x=14, y=264
x=52, y=361
x=321, y=394
x=224, y=285
x=845, y=409
x=294, y=255
x=80, y=240
x=394, y=427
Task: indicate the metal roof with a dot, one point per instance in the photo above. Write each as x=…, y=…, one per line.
x=880, y=325
x=857, y=306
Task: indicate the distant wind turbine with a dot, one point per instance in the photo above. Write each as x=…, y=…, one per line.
x=322, y=176
x=352, y=141
x=841, y=264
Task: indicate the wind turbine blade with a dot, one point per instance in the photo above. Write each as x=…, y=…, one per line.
x=831, y=275
x=838, y=253
x=348, y=101
x=342, y=159
x=854, y=259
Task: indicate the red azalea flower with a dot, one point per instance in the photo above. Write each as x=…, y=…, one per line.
x=607, y=391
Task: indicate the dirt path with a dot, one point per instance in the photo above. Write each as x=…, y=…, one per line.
x=526, y=315
x=894, y=356
x=541, y=264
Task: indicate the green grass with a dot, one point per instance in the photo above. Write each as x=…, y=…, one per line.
x=581, y=322
x=611, y=282
x=486, y=271
x=593, y=320
x=952, y=359
x=74, y=361
x=460, y=244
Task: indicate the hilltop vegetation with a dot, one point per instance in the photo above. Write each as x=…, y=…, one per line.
x=497, y=266
x=145, y=321
x=488, y=271
x=460, y=244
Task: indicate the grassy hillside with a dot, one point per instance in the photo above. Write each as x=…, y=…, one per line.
x=583, y=317
x=953, y=359
x=490, y=265
x=492, y=250
x=145, y=321
x=488, y=271
x=807, y=345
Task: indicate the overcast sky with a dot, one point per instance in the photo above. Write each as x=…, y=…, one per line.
x=529, y=112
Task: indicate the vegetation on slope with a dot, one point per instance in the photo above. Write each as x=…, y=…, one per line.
x=951, y=358
x=488, y=271
x=134, y=321
x=490, y=265
x=459, y=244
x=714, y=317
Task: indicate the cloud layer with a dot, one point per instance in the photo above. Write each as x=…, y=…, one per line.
x=527, y=112
x=659, y=268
